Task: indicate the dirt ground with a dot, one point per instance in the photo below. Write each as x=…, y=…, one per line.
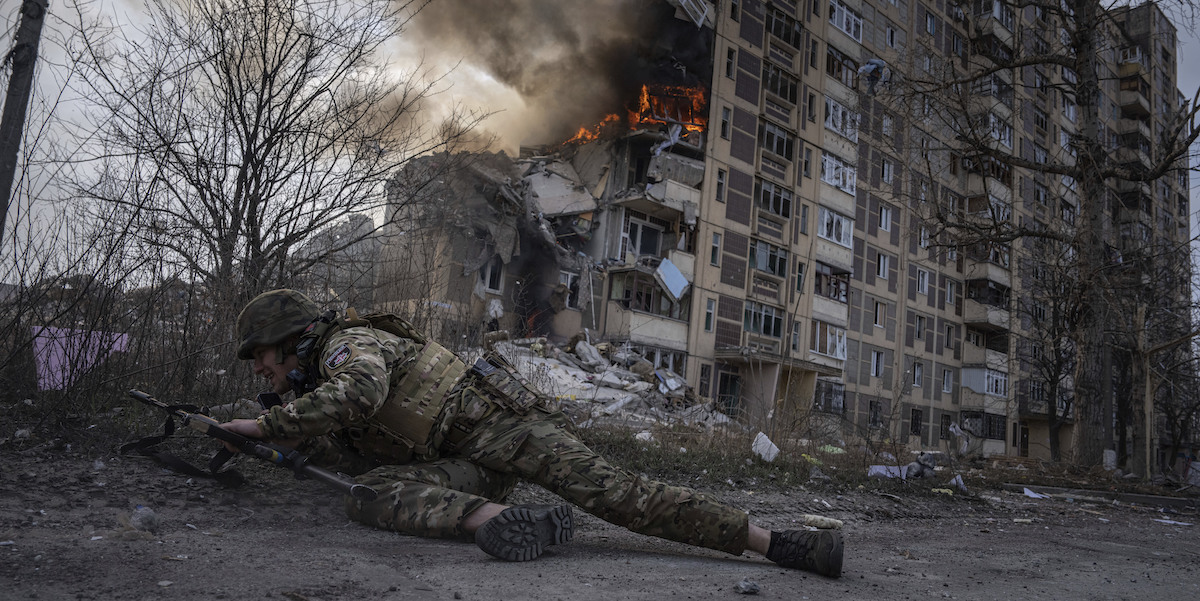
x=64, y=534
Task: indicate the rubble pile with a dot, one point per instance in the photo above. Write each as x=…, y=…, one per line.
x=607, y=384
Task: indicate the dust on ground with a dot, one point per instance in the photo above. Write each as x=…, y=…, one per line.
x=65, y=534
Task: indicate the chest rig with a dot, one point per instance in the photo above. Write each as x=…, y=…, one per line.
x=418, y=385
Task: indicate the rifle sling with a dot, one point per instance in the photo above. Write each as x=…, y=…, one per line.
x=145, y=446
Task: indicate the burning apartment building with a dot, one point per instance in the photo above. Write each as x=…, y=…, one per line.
x=739, y=213
x=632, y=231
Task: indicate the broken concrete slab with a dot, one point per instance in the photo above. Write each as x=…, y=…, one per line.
x=764, y=448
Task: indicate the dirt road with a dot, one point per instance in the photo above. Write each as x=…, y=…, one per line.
x=63, y=536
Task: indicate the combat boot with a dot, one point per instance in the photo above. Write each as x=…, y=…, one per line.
x=817, y=551
x=523, y=532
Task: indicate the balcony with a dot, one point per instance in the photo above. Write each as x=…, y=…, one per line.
x=977, y=314
x=979, y=356
x=1134, y=97
x=1133, y=126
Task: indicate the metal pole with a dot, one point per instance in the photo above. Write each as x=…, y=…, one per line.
x=23, y=56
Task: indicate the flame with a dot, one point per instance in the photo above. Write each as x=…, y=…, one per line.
x=686, y=106
x=587, y=134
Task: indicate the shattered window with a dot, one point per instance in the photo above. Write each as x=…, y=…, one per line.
x=769, y=258
x=828, y=339
x=490, y=275
x=777, y=140
x=779, y=82
x=784, y=27
x=763, y=319
x=571, y=282
x=846, y=19
x=835, y=227
x=641, y=292
x=831, y=285
x=773, y=198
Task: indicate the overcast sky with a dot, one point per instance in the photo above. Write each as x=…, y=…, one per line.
x=474, y=85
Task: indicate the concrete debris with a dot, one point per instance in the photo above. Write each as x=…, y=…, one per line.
x=605, y=381
x=923, y=467
x=887, y=471
x=957, y=482
x=763, y=447
x=821, y=522
x=590, y=356
x=746, y=587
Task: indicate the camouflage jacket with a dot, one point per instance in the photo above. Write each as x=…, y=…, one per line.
x=358, y=369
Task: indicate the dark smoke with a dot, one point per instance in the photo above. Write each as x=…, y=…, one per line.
x=571, y=61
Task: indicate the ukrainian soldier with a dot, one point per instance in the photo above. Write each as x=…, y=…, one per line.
x=445, y=442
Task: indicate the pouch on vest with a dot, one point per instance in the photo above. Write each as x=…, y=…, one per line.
x=495, y=374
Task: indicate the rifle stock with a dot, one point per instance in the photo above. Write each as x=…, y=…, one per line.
x=265, y=451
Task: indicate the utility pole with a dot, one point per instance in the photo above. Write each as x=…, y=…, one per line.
x=22, y=57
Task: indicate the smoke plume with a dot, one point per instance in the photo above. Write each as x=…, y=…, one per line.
x=550, y=66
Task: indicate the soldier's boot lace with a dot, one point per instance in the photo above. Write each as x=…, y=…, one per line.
x=523, y=532
x=817, y=551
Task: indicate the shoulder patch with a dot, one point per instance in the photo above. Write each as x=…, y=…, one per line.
x=339, y=356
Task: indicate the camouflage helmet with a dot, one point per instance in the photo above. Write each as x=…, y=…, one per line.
x=271, y=317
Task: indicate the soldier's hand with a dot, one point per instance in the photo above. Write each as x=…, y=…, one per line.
x=246, y=427
x=249, y=428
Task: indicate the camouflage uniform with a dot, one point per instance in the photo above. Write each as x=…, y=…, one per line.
x=478, y=448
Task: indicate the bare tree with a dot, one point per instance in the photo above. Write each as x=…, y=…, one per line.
x=232, y=132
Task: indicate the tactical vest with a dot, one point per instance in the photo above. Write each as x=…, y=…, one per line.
x=418, y=388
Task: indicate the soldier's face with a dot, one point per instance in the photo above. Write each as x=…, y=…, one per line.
x=274, y=372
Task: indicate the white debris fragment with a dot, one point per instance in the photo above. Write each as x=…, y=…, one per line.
x=820, y=521
x=887, y=471
x=957, y=481
x=763, y=447
x=644, y=436
x=1172, y=522
x=1035, y=495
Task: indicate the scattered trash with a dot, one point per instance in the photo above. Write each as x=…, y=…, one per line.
x=763, y=447
x=165, y=583
x=832, y=450
x=746, y=587
x=1022, y=521
x=1035, y=495
x=922, y=467
x=943, y=491
x=97, y=538
x=644, y=436
x=5, y=543
x=887, y=471
x=1172, y=522
x=816, y=474
x=957, y=482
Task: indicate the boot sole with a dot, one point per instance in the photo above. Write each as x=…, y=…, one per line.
x=523, y=533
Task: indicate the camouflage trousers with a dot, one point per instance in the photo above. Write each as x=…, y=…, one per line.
x=432, y=498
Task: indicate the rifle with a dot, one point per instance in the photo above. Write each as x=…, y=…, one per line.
x=265, y=451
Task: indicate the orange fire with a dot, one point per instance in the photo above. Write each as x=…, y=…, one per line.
x=656, y=104
x=587, y=134
x=671, y=104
